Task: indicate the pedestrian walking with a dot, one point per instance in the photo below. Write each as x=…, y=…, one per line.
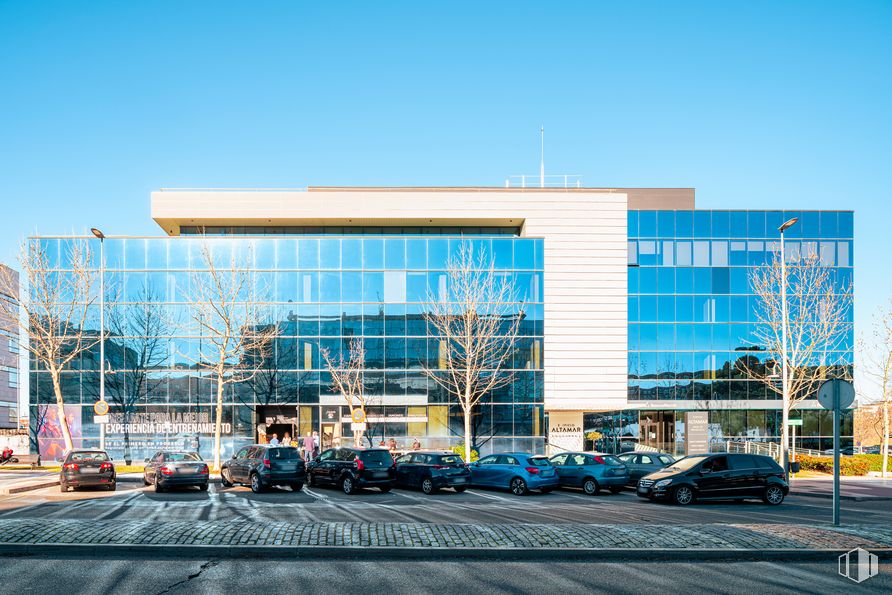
x=309, y=447
x=316, y=444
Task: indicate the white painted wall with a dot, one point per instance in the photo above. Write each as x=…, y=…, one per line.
x=585, y=235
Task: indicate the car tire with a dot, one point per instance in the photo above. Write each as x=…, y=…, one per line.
x=427, y=486
x=225, y=478
x=63, y=487
x=296, y=487
x=519, y=487
x=203, y=487
x=615, y=489
x=112, y=486
x=347, y=485
x=145, y=481
x=256, y=483
x=385, y=489
x=773, y=495
x=590, y=486
x=460, y=489
x=158, y=487
x=683, y=495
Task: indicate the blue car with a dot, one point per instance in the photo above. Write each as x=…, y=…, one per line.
x=519, y=472
x=591, y=471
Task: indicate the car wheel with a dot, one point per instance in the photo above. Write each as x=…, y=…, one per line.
x=615, y=489
x=773, y=495
x=311, y=481
x=683, y=495
x=460, y=489
x=225, y=478
x=256, y=484
x=158, y=487
x=145, y=481
x=296, y=487
x=347, y=485
x=519, y=487
x=385, y=489
x=427, y=486
x=203, y=487
x=112, y=486
x=590, y=486
x=63, y=487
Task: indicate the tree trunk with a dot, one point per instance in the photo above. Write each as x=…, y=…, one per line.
x=128, y=459
x=785, y=440
x=467, y=413
x=60, y=410
x=218, y=422
x=885, y=449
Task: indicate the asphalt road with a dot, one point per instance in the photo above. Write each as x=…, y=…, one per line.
x=392, y=577
x=133, y=501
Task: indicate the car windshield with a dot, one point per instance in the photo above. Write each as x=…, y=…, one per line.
x=182, y=456
x=376, y=456
x=88, y=457
x=539, y=462
x=687, y=463
x=451, y=460
x=284, y=454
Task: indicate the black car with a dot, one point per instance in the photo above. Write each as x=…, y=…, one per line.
x=263, y=465
x=717, y=477
x=87, y=468
x=640, y=464
x=168, y=469
x=353, y=469
x=432, y=470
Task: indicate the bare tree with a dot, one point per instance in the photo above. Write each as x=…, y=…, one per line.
x=137, y=344
x=476, y=319
x=229, y=313
x=52, y=312
x=817, y=325
x=877, y=365
x=347, y=378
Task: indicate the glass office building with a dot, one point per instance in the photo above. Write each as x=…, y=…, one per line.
x=321, y=291
x=692, y=317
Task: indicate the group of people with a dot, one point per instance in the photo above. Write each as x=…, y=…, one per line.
x=392, y=446
x=309, y=446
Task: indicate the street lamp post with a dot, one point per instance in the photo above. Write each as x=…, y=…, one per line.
x=101, y=238
x=785, y=416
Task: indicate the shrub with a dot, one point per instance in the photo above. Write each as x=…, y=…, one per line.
x=847, y=465
x=459, y=449
x=875, y=461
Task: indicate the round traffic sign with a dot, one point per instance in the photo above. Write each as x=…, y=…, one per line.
x=100, y=407
x=358, y=416
x=845, y=390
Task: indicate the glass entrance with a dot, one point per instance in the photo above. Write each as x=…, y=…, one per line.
x=658, y=430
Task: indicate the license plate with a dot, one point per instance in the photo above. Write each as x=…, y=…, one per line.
x=642, y=490
x=460, y=480
x=89, y=470
x=379, y=474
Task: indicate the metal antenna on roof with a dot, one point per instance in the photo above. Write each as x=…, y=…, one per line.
x=541, y=156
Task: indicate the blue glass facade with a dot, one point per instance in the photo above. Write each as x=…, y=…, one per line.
x=692, y=317
x=323, y=290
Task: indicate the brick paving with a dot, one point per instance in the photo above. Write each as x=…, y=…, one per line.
x=427, y=535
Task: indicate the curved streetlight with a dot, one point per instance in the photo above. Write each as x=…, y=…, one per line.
x=785, y=416
x=101, y=237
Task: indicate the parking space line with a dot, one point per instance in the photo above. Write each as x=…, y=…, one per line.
x=314, y=494
x=492, y=496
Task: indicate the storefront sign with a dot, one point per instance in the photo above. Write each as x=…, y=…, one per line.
x=168, y=422
x=564, y=431
x=696, y=428
x=331, y=413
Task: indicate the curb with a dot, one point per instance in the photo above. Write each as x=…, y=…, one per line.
x=372, y=553
x=28, y=488
x=848, y=498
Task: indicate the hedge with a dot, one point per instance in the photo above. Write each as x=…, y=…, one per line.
x=855, y=465
x=875, y=462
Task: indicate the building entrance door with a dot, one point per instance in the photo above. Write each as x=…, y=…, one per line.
x=330, y=435
x=658, y=430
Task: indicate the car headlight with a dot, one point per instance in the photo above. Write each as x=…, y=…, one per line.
x=662, y=483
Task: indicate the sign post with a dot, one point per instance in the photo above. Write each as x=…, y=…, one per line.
x=836, y=395
x=793, y=423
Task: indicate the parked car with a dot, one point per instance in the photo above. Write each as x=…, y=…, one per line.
x=176, y=468
x=591, y=471
x=263, y=465
x=519, y=472
x=717, y=477
x=431, y=470
x=640, y=464
x=353, y=469
x=845, y=451
x=87, y=468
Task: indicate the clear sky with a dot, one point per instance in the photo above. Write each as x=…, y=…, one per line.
x=755, y=104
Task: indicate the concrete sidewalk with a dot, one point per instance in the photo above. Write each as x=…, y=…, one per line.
x=425, y=540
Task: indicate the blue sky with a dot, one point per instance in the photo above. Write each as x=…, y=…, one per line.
x=756, y=104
